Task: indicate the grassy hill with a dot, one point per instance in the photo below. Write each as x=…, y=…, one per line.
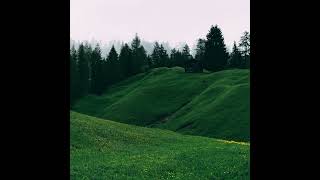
x=103, y=149
x=206, y=104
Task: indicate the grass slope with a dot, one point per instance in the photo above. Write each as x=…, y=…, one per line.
x=207, y=104
x=103, y=149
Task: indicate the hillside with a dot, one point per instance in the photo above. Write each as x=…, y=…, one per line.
x=206, y=104
x=103, y=149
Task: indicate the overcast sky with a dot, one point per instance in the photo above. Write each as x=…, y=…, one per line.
x=163, y=20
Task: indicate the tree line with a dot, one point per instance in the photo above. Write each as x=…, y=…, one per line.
x=92, y=74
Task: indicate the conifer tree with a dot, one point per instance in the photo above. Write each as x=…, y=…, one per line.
x=216, y=56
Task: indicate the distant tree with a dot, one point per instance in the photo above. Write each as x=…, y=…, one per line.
x=173, y=56
x=83, y=71
x=216, y=56
x=142, y=55
x=105, y=73
x=125, y=61
x=97, y=84
x=155, y=56
x=150, y=63
x=113, y=66
x=235, y=60
x=164, y=57
x=186, y=56
x=245, y=49
x=176, y=58
x=74, y=76
x=88, y=53
x=139, y=55
x=200, y=51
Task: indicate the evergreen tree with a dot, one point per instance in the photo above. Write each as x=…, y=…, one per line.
x=200, y=51
x=164, y=57
x=83, y=71
x=113, y=66
x=125, y=61
x=149, y=62
x=74, y=77
x=216, y=56
x=236, y=58
x=155, y=56
x=96, y=71
x=105, y=73
x=139, y=55
x=176, y=58
x=186, y=54
x=88, y=55
x=173, y=56
x=245, y=49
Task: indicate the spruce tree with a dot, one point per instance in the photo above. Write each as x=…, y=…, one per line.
x=236, y=58
x=216, y=56
x=96, y=69
x=113, y=66
x=200, y=51
x=74, y=77
x=244, y=45
x=125, y=61
x=83, y=71
x=156, y=55
x=139, y=55
x=186, y=54
x=164, y=58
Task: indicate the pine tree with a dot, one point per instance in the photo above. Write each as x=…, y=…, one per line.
x=186, y=54
x=113, y=66
x=216, y=56
x=139, y=55
x=74, y=77
x=236, y=58
x=156, y=55
x=96, y=69
x=176, y=58
x=173, y=56
x=164, y=57
x=149, y=62
x=83, y=71
x=200, y=51
x=125, y=61
x=245, y=49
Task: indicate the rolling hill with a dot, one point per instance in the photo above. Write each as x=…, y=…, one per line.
x=103, y=149
x=206, y=104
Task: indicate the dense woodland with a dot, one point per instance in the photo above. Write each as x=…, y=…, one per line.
x=90, y=73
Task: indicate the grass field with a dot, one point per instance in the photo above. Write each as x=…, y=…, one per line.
x=103, y=149
x=206, y=104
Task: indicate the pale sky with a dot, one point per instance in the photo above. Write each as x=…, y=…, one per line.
x=170, y=21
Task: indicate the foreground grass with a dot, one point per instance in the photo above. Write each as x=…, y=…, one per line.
x=103, y=149
x=206, y=104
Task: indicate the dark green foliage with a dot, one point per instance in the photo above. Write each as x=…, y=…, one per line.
x=186, y=54
x=83, y=70
x=215, y=56
x=176, y=58
x=96, y=71
x=236, y=60
x=113, y=67
x=156, y=60
x=159, y=56
x=139, y=56
x=245, y=49
x=164, y=58
x=200, y=51
x=126, y=62
x=74, y=76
